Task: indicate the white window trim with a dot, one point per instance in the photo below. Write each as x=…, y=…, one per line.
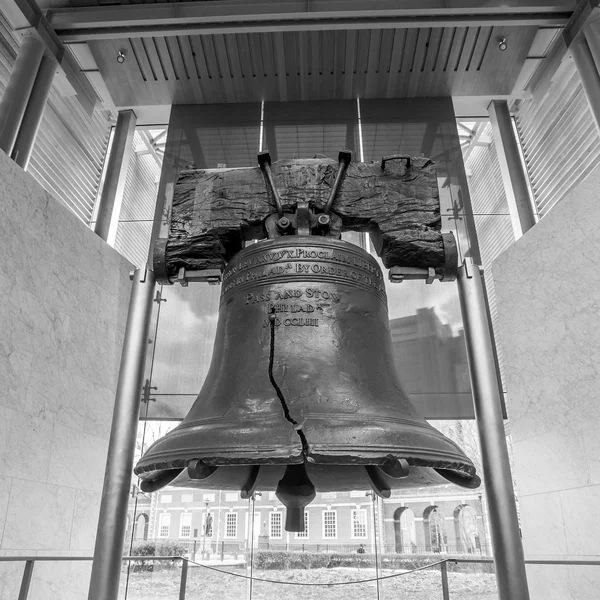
x=167, y=518
x=227, y=536
x=327, y=537
x=352, y=518
x=280, y=536
x=181, y=525
x=303, y=535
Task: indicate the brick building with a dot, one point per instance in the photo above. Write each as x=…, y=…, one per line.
x=410, y=521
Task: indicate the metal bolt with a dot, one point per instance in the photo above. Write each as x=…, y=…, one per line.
x=324, y=220
x=283, y=223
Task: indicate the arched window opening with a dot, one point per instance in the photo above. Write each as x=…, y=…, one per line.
x=141, y=527
x=436, y=539
x=405, y=533
x=467, y=530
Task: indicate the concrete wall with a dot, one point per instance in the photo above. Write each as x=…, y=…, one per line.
x=62, y=318
x=548, y=295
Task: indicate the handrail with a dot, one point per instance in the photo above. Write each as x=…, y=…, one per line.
x=443, y=564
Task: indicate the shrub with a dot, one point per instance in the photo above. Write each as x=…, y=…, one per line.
x=270, y=559
x=156, y=548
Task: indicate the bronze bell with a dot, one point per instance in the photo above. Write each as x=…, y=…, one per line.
x=302, y=394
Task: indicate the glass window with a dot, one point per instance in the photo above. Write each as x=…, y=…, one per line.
x=359, y=523
x=208, y=498
x=185, y=525
x=328, y=495
x=329, y=524
x=303, y=534
x=164, y=525
x=187, y=497
x=275, y=528
x=231, y=496
x=231, y=525
x=166, y=498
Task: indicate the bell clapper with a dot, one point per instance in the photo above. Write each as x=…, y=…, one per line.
x=295, y=491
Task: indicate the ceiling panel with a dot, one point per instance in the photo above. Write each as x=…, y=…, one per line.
x=313, y=65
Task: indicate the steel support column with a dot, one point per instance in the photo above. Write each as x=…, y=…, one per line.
x=33, y=113
x=586, y=67
x=116, y=173
x=112, y=522
x=506, y=539
x=513, y=175
x=15, y=98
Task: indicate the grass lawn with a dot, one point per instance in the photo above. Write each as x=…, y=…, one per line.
x=209, y=585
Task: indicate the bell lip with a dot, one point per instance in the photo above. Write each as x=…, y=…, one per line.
x=217, y=458
x=451, y=475
x=460, y=469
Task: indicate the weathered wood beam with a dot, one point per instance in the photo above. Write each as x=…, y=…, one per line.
x=215, y=211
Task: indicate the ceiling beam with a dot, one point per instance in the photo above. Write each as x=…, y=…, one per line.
x=252, y=16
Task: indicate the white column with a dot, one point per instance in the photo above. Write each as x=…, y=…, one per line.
x=116, y=173
x=588, y=72
x=15, y=98
x=591, y=32
x=514, y=177
x=33, y=114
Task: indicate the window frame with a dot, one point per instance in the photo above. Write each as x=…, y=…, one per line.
x=271, y=515
x=353, y=513
x=164, y=517
x=335, y=522
x=188, y=517
x=235, y=520
x=303, y=535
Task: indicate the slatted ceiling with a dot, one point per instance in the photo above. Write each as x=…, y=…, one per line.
x=312, y=65
x=558, y=136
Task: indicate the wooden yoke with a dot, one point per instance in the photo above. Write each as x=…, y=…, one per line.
x=216, y=211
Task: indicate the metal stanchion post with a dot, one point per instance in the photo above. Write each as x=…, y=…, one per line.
x=183, y=582
x=112, y=522
x=26, y=581
x=444, y=574
x=506, y=539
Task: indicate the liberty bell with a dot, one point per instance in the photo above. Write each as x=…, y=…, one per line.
x=302, y=394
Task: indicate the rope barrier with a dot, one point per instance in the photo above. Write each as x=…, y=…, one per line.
x=317, y=584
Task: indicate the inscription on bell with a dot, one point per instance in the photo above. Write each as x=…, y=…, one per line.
x=309, y=293
x=303, y=262
x=292, y=322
